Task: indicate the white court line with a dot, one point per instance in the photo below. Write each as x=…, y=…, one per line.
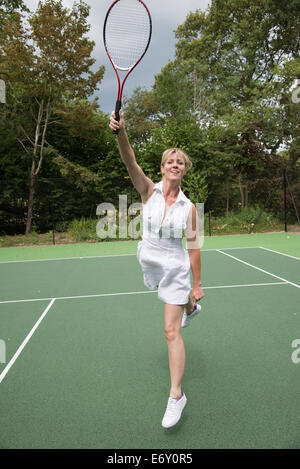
x=283, y=254
x=26, y=340
x=258, y=268
x=18, y=352
x=247, y=285
x=65, y=258
x=139, y=292
x=78, y=297
x=104, y=257
x=233, y=249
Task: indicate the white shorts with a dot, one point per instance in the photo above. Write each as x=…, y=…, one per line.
x=166, y=266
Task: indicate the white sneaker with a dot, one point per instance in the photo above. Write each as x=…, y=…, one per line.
x=173, y=411
x=187, y=318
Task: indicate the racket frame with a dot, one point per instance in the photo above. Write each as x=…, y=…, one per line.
x=115, y=67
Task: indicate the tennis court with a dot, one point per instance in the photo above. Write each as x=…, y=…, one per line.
x=86, y=361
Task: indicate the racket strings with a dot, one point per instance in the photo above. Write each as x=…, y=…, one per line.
x=127, y=34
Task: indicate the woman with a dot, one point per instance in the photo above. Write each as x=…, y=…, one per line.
x=167, y=212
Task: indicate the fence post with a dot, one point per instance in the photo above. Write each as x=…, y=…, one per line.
x=53, y=222
x=284, y=200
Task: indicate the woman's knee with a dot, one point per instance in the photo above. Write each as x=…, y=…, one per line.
x=173, y=317
x=171, y=333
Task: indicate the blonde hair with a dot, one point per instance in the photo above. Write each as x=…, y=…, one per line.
x=177, y=151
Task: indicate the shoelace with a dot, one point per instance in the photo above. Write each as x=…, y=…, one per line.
x=171, y=405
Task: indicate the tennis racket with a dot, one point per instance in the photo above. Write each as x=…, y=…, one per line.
x=126, y=34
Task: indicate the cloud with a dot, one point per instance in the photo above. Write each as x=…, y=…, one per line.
x=166, y=16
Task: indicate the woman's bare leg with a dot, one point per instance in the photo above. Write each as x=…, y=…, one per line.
x=176, y=349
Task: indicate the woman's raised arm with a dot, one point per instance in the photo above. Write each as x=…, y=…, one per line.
x=141, y=182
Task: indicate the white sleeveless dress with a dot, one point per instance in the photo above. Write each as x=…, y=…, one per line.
x=164, y=261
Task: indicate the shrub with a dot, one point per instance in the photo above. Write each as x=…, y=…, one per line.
x=243, y=221
x=83, y=229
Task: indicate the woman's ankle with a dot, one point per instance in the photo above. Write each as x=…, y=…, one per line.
x=176, y=393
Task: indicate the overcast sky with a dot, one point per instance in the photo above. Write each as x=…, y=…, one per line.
x=166, y=16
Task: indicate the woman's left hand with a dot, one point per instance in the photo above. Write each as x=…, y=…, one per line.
x=197, y=293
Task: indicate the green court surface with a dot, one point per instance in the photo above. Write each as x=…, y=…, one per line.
x=85, y=361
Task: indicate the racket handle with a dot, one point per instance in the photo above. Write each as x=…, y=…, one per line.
x=117, y=113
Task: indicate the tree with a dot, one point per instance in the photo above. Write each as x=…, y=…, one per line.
x=234, y=67
x=8, y=7
x=243, y=51
x=43, y=63
x=141, y=111
x=238, y=48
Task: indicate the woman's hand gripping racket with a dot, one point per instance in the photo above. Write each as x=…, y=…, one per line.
x=126, y=33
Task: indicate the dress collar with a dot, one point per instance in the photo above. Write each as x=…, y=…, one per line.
x=181, y=197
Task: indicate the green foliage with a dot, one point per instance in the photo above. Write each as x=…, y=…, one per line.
x=83, y=229
x=242, y=49
x=8, y=8
x=195, y=186
x=141, y=114
x=80, y=175
x=170, y=133
x=226, y=99
x=47, y=68
x=243, y=221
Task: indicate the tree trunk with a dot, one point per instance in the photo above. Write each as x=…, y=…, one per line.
x=37, y=149
x=30, y=203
